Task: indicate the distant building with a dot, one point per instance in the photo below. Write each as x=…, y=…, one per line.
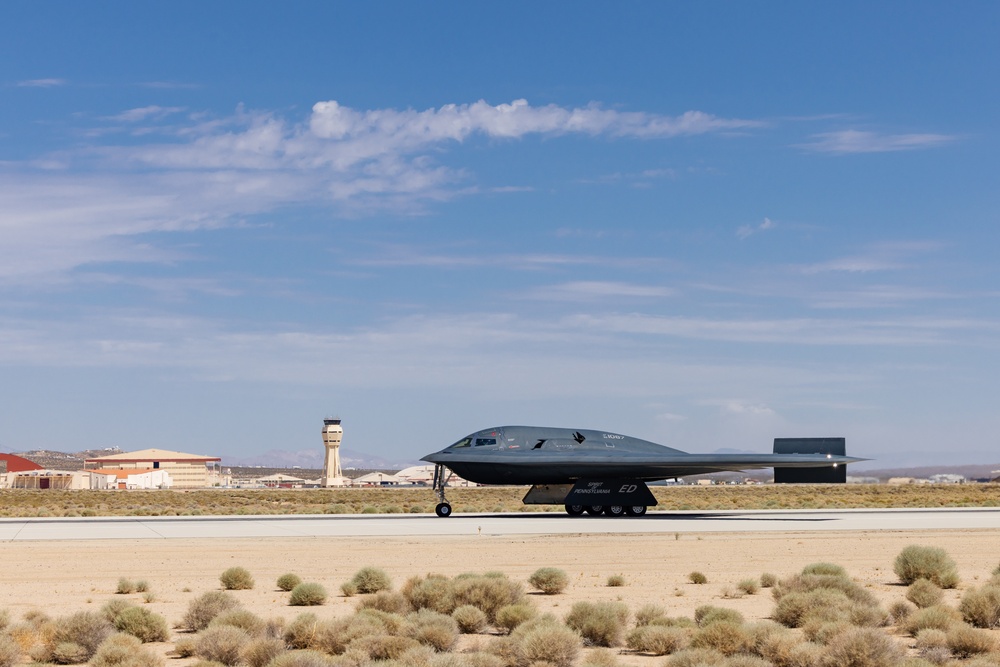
x=945, y=478
x=186, y=471
x=138, y=478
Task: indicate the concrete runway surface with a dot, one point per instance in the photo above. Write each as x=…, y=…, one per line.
x=423, y=525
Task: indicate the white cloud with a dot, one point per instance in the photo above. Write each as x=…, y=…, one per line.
x=856, y=141
x=42, y=83
x=889, y=256
x=746, y=231
x=593, y=290
x=144, y=113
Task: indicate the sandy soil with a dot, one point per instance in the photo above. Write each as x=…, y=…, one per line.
x=61, y=577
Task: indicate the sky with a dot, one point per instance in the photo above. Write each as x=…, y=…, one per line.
x=704, y=224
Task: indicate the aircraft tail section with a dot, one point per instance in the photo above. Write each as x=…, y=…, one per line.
x=834, y=474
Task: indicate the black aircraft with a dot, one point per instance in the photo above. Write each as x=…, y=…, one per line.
x=599, y=472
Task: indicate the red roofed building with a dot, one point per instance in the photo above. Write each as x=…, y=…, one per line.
x=187, y=471
x=13, y=463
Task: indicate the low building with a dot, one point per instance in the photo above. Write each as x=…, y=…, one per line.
x=186, y=471
x=139, y=478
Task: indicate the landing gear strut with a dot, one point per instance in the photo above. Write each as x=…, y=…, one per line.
x=441, y=477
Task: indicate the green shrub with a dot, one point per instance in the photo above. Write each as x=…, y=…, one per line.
x=335, y=635
x=205, y=607
x=261, y=651
x=863, y=647
x=115, y=606
x=549, y=580
x=371, y=580
x=725, y=637
x=388, y=601
x=69, y=653
x=749, y=586
x=435, y=592
x=616, y=581
x=657, y=639
x=965, y=641
x=348, y=589
x=288, y=581
x=125, y=586
x=84, y=629
x=708, y=614
x=223, y=643
x=649, y=614
x=823, y=632
x=981, y=607
x=938, y=617
x=244, y=619
x=931, y=563
x=439, y=631
x=470, y=619
x=123, y=650
x=513, y=615
x=488, y=592
x=768, y=580
x=236, y=579
x=697, y=578
x=830, y=569
x=546, y=642
x=394, y=624
x=143, y=624
x=307, y=594
x=384, y=647
x=924, y=593
x=599, y=623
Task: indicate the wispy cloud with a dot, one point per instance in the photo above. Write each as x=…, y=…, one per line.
x=593, y=290
x=42, y=83
x=847, y=142
x=888, y=256
x=145, y=113
x=747, y=231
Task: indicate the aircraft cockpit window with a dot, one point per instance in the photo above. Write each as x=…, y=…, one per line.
x=482, y=442
x=464, y=442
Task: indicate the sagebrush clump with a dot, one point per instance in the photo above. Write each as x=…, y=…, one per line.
x=236, y=579
x=307, y=594
x=697, y=578
x=549, y=580
x=371, y=580
x=288, y=581
x=931, y=563
x=599, y=623
x=205, y=607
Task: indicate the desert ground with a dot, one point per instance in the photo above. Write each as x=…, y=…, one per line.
x=62, y=577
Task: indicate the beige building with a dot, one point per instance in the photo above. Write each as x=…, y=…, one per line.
x=187, y=471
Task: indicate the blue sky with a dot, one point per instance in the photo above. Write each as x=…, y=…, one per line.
x=708, y=225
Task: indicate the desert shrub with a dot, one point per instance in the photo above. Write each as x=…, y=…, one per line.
x=615, y=581
x=548, y=642
x=244, y=619
x=981, y=607
x=785, y=649
x=384, y=647
x=184, y=646
x=394, y=624
x=938, y=617
x=142, y=586
x=796, y=609
x=924, y=593
x=696, y=657
x=10, y=651
x=801, y=583
x=767, y=580
x=123, y=650
x=830, y=569
x=205, y=607
x=85, y=629
x=260, y=652
x=697, y=578
x=115, y=606
x=648, y=614
x=601, y=657
x=599, y=623
x=307, y=594
x=435, y=592
x=931, y=638
x=306, y=658
x=288, y=581
x=223, y=643
x=863, y=647
x=348, y=589
x=487, y=592
x=439, y=631
x=371, y=580
x=931, y=563
x=387, y=601
x=301, y=631
x=900, y=610
x=708, y=614
x=513, y=615
x=236, y=579
x=726, y=638
x=470, y=620
x=549, y=580
x=334, y=636
x=143, y=624
x=965, y=641
x=823, y=632
x=746, y=660
x=125, y=586
x=657, y=639
x=749, y=586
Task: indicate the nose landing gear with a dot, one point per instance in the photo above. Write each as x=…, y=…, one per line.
x=441, y=477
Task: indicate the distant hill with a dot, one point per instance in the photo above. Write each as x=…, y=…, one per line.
x=313, y=459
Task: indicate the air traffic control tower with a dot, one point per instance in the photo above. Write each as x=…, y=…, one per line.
x=332, y=433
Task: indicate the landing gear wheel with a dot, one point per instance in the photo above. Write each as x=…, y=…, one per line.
x=615, y=510
x=635, y=510
x=594, y=510
x=443, y=509
x=574, y=510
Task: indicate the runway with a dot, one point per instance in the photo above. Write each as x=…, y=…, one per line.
x=423, y=525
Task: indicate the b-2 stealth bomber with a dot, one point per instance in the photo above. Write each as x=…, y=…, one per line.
x=599, y=472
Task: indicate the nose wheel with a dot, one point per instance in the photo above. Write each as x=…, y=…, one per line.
x=441, y=477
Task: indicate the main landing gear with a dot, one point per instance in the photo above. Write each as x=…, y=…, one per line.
x=609, y=510
x=441, y=477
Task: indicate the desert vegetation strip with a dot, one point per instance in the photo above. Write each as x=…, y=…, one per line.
x=50, y=503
